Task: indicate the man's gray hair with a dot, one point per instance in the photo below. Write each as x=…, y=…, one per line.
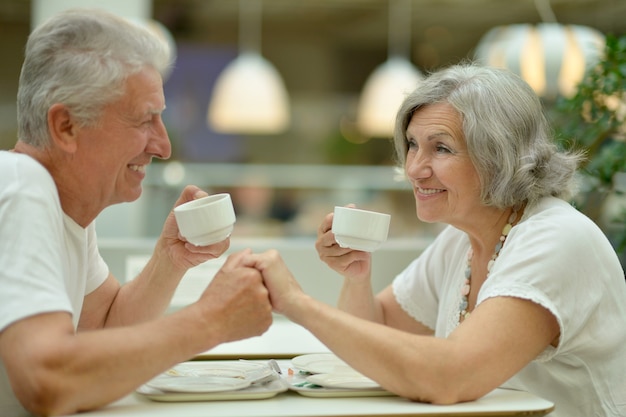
x=81, y=58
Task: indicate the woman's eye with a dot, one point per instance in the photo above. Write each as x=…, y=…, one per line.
x=411, y=144
x=443, y=149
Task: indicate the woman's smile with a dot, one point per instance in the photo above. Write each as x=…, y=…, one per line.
x=428, y=191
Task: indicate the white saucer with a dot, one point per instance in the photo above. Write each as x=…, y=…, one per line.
x=198, y=383
x=321, y=363
x=352, y=380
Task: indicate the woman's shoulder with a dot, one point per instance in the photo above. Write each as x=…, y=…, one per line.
x=561, y=231
x=554, y=214
x=548, y=206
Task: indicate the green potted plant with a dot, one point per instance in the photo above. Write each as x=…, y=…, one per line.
x=594, y=120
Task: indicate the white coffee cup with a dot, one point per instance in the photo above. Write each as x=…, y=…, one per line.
x=360, y=229
x=206, y=220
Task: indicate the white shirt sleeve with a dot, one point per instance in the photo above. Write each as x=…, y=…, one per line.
x=97, y=269
x=31, y=234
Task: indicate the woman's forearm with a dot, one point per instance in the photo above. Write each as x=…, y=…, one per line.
x=357, y=298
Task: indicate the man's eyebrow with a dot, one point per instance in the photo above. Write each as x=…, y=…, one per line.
x=156, y=111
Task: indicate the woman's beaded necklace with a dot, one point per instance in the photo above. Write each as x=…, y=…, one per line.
x=467, y=286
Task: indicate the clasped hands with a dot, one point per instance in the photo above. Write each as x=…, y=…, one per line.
x=283, y=289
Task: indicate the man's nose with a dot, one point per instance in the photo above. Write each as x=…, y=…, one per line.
x=159, y=144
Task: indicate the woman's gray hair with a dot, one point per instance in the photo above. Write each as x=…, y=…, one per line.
x=508, y=137
x=81, y=58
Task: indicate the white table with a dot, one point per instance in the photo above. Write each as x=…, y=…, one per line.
x=499, y=402
x=283, y=340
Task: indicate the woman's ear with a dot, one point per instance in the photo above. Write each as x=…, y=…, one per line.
x=63, y=130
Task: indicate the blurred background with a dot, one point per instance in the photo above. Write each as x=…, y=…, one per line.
x=320, y=81
x=313, y=145
x=284, y=178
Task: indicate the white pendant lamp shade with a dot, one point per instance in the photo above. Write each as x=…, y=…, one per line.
x=389, y=84
x=249, y=97
x=382, y=95
x=552, y=58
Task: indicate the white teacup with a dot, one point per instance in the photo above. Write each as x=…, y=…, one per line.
x=360, y=229
x=206, y=220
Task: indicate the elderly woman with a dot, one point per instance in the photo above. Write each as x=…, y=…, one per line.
x=520, y=290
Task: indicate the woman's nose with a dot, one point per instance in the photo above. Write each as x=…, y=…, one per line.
x=418, y=165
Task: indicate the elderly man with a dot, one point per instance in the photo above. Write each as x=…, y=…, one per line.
x=71, y=338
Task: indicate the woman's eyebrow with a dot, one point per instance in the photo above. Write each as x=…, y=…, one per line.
x=437, y=135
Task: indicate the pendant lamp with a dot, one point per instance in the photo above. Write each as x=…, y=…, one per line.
x=552, y=58
x=388, y=85
x=249, y=96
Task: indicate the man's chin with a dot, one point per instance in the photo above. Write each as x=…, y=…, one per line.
x=128, y=197
x=133, y=197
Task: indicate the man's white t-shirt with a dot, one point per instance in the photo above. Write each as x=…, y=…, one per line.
x=560, y=259
x=48, y=262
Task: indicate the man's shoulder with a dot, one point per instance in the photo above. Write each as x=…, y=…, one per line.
x=12, y=161
x=23, y=171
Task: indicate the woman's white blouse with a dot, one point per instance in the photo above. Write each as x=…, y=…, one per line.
x=558, y=258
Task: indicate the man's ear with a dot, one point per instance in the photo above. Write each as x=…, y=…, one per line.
x=63, y=130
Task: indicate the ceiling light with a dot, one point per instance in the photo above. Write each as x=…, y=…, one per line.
x=249, y=96
x=383, y=94
x=552, y=58
x=388, y=85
